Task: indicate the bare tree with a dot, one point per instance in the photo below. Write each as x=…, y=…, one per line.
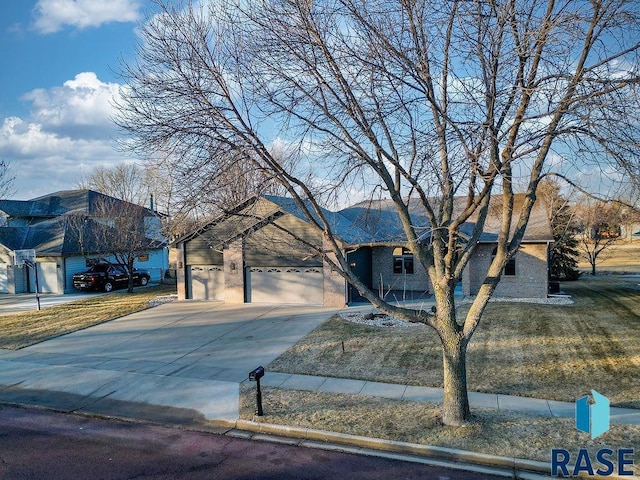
x=421, y=100
x=120, y=229
x=6, y=180
x=126, y=181
x=598, y=226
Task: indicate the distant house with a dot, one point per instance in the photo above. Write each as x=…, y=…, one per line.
x=265, y=251
x=62, y=248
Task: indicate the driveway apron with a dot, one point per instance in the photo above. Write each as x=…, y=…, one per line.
x=183, y=355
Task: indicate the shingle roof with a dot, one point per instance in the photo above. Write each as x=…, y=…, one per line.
x=341, y=226
x=364, y=223
x=59, y=203
x=381, y=220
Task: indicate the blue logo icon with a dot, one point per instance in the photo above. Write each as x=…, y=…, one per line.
x=593, y=417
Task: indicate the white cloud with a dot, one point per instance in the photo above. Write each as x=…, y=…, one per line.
x=81, y=107
x=68, y=133
x=52, y=15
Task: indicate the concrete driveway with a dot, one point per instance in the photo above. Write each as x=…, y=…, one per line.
x=190, y=356
x=22, y=302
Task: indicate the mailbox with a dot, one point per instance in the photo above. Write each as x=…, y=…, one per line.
x=256, y=374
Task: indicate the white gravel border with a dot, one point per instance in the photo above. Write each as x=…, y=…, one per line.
x=375, y=318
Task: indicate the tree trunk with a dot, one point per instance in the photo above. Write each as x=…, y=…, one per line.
x=593, y=268
x=455, y=410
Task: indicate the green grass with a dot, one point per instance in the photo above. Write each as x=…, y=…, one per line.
x=542, y=351
x=20, y=330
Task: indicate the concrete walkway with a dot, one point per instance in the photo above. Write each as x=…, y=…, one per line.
x=189, y=358
x=533, y=406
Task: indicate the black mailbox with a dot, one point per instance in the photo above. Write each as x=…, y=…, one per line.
x=256, y=374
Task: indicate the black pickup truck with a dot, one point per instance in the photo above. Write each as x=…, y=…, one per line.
x=105, y=276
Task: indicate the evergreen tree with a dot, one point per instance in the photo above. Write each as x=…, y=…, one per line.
x=563, y=263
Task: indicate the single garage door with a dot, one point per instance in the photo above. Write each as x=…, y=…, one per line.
x=302, y=285
x=207, y=282
x=47, y=278
x=4, y=280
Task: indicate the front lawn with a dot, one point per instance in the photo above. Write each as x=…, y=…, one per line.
x=542, y=351
x=545, y=351
x=18, y=330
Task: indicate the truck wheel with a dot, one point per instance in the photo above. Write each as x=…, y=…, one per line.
x=144, y=281
x=108, y=286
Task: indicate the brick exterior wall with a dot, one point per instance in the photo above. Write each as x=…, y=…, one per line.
x=233, y=272
x=530, y=280
x=382, y=272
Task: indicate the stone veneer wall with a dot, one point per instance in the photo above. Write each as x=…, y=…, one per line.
x=334, y=284
x=233, y=272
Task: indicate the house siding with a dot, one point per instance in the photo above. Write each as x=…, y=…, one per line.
x=272, y=247
x=530, y=280
x=200, y=251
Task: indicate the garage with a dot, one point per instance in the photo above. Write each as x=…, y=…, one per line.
x=4, y=279
x=47, y=278
x=303, y=285
x=207, y=282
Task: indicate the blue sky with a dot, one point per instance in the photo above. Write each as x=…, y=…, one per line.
x=59, y=67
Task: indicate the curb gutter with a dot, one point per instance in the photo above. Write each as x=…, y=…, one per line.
x=442, y=456
x=512, y=467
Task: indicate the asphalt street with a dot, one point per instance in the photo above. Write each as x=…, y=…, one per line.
x=38, y=444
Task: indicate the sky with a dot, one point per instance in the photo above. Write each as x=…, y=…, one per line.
x=59, y=64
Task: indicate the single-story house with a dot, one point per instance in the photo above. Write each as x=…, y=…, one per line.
x=265, y=251
x=42, y=224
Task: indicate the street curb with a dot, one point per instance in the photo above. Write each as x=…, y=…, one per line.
x=515, y=467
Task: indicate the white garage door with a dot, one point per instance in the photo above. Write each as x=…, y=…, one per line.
x=47, y=278
x=4, y=281
x=302, y=285
x=207, y=282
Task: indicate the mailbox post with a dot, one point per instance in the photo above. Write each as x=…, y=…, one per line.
x=255, y=376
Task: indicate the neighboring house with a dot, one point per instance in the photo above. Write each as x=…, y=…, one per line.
x=62, y=248
x=265, y=251
x=630, y=232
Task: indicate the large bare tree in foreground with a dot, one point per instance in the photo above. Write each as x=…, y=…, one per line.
x=418, y=101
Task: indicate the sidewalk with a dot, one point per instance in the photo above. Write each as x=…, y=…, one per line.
x=532, y=406
x=54, y=380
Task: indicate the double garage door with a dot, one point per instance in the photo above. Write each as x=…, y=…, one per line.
x=302, y=285
x=294, y=285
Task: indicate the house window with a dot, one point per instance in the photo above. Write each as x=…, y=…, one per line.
x=402, y=261
x=510, y=267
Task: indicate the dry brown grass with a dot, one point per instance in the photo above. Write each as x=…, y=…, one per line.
x=491, y=431
x=620, y=257
x=542, y=351
x=20, y=330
